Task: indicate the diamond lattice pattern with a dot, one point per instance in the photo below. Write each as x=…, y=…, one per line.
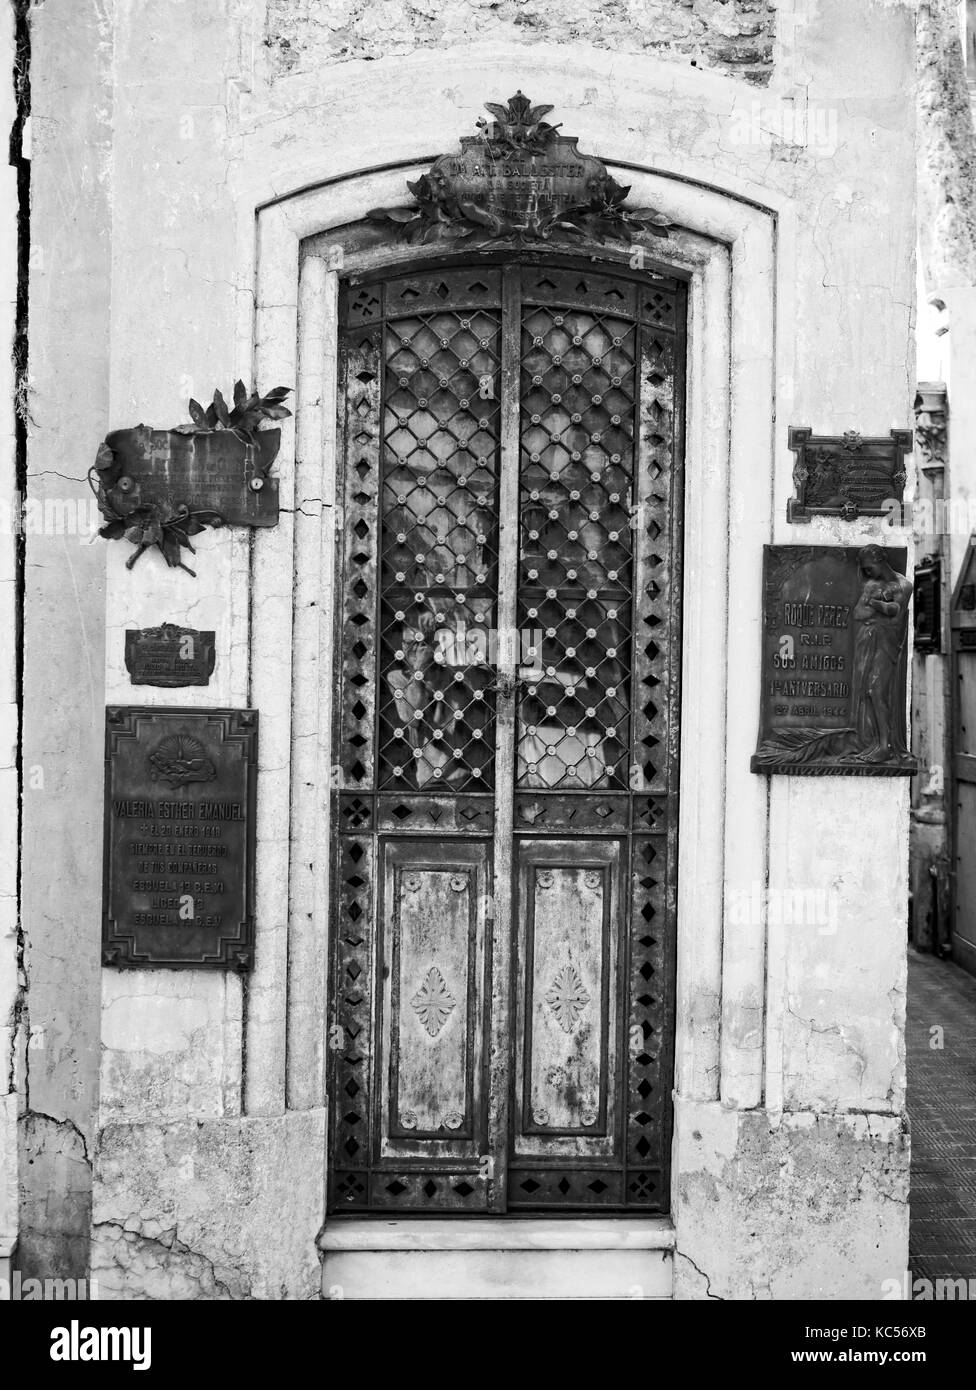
x=439, y=550
x=575, y=582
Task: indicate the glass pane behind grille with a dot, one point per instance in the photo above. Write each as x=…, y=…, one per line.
x=575, y=581
x=439, y=556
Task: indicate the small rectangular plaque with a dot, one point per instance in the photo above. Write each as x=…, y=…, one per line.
x=847, y=475
x=169, y=656
x=834, y=662
x=179, y=837
x=217, y=473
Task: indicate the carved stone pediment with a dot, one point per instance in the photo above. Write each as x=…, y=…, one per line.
x=518, y=179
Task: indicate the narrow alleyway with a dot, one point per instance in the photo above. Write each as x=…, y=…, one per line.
x=942, y=1106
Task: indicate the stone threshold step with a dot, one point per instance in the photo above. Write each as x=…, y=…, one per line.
x=498, y=1233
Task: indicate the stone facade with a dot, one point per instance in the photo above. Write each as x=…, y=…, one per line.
x=189, y=177
x=731, y=36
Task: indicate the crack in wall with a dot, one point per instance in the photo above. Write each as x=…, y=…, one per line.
x=165, y=1251
x=20, y=77
x=680, y=1255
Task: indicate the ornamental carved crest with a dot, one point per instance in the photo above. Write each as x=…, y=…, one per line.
x=518, y=179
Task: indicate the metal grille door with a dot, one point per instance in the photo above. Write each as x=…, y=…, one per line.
x=504, y=911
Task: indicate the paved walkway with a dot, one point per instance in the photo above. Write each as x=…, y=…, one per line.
x=942, y=1106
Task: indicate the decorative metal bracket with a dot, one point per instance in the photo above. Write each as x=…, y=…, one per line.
x=848, y=475
x=519, y=179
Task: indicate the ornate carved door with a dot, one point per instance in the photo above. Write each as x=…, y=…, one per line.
x=503, y=928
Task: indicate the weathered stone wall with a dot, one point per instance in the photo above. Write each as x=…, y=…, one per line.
x=12, y=1033
x=731, y=36
x=64, y=623
x=946, y=151
x=947, y=237
x=800, y=1198
x=197, y=1209
x=947, y=345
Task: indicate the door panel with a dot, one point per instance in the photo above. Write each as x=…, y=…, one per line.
x=567, y=1054
x=507, y=736
x=430, y=1049
x=578, y=387
x=438, y=508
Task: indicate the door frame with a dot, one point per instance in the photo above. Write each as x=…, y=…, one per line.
x=362, y=833
x=727, y=1045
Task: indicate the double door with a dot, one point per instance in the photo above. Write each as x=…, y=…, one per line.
x=506, y=734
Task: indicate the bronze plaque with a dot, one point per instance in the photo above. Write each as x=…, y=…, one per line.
x=521, y=186
x=179, y=837
x=215, y=474
x=848, y=475
x=169, y=656
x=835, y=661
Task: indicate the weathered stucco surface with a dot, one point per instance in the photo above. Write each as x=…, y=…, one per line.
x=732, y=36
x=64, y=630
x=11, y=994
x=792, y=1206
x=209, y=1209
x=947, y=243
x=946, y=151
x=171, y=1046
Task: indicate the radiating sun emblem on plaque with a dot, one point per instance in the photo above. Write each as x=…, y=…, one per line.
x=567, y=998
x=178, y=759
x=434, y=1003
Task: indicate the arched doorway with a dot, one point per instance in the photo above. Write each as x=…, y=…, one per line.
x=506, y=738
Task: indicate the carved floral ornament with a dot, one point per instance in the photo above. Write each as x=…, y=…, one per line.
x=567, y=998
x=519, y=179
x=433, y=1003
x=931, y=423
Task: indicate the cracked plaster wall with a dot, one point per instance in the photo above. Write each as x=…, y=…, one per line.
x=209, y=1209
x=11, y=995
x=797, y=1206
x=947, y=240
x=162, y=181
x=63, y=717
